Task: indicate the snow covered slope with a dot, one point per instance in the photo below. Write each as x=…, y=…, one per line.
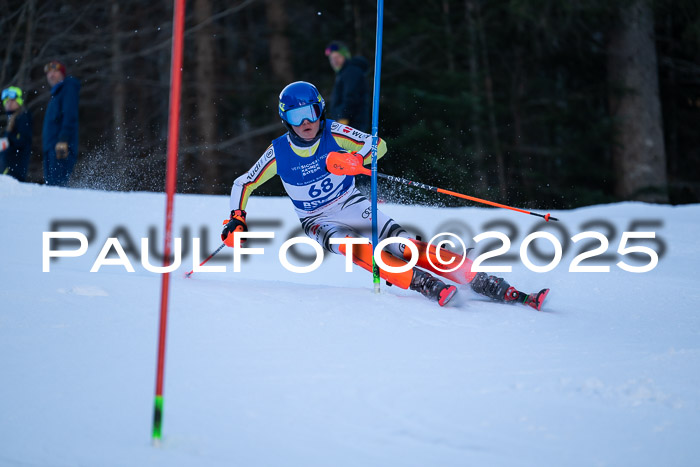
x=268, y=367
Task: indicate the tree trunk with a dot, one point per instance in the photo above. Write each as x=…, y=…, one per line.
x=358, y=28
x=449, y=39
x=28, y=43
x=118, y=89
x=280, y=50
x=481, y=182
x=518, y=80
x=204, y=90
x=639, y=156
x=10, y=42
x=491, y=106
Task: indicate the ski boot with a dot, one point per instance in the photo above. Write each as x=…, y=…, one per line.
x=432, y=287
x=496, y=288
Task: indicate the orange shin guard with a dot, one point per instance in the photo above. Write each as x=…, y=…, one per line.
x=446, y=260
x=362, y=256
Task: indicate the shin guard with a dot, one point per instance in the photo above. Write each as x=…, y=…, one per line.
x=430, y=259
x=362, y=256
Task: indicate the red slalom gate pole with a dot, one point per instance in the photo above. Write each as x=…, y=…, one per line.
x=170, y=184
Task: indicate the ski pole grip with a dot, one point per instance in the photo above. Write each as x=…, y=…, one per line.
x=346, y=163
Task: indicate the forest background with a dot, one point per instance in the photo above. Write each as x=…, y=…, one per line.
x=528, y=102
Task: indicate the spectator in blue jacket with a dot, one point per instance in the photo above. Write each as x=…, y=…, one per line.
x=60, y=132
x=16, y=139
x=350, y=97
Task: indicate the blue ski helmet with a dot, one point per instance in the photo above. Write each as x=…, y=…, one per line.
x=301, y=101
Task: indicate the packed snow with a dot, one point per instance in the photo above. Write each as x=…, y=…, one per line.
x=268, y=367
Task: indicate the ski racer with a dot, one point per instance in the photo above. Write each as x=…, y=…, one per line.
x=329, y=206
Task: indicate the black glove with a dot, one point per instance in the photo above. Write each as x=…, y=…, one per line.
x=235, y=224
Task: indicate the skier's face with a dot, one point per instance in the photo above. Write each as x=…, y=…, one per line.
x=307, y=130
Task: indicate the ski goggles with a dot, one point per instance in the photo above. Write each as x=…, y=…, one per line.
x=55, y=66
x=11, y=93
x=296, y=117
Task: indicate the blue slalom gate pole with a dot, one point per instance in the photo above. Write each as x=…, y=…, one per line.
x=375, y=137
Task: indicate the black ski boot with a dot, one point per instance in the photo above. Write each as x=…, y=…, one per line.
x=491, y=286
x=432, y=287
x=496, y=288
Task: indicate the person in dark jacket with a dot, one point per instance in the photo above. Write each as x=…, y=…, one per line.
x=350, y=97
x=16, y=140
x=60, y=132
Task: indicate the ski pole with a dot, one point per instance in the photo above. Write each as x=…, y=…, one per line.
x=343, y=163
x=210, y=257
